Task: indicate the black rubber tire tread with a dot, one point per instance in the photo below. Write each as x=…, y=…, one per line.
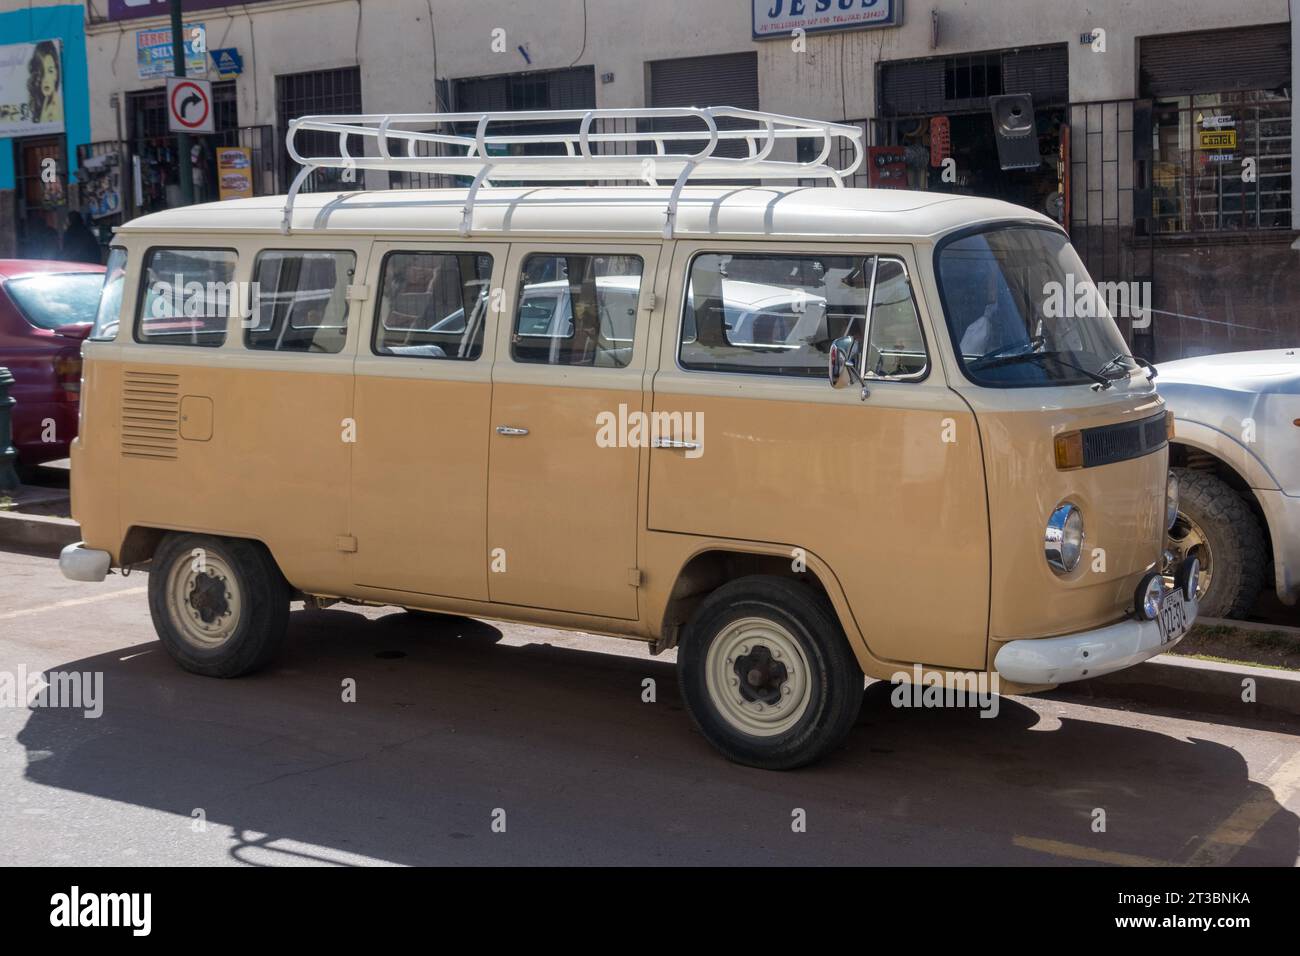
x=264, y=593
x=837, y=687
x=1236, y=542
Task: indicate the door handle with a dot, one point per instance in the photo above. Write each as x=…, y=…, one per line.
x=675, y=443
x=511, y=430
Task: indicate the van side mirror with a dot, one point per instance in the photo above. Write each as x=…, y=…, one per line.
x=843, y=364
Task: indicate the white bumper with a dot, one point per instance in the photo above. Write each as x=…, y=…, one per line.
x=1059, y=660
x=80, y=563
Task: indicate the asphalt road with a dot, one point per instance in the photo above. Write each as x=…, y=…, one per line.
x=458, y=724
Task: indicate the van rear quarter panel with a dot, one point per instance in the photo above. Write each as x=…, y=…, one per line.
x=275, y=468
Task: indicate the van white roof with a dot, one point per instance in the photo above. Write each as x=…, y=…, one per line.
x=753, y=212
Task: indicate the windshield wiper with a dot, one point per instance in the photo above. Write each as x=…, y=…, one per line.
x=1102, y=383
x=1031, y=345
x=1118, y=360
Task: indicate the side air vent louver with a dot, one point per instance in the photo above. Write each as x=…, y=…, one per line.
x=150, y=414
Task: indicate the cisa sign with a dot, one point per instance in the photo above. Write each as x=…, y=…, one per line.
x=780, y=18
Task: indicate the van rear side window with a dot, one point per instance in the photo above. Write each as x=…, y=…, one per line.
x=432, y=305
x=301, y=301
x=187, y=297
x=577, y=310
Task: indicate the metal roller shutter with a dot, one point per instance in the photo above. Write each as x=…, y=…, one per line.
x=1216, y=61
x=730, y=79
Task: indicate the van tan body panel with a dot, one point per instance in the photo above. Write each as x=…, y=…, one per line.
x=1123, y=512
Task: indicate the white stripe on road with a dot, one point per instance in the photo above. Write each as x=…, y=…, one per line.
x=71, y=602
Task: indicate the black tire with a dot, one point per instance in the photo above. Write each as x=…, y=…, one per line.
x=238, y=569
x=834, y=681
x=1236, y=544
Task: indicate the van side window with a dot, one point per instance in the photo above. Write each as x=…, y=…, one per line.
x=577, y=310
x=301, y=302
x=187, y=297
x=432, y=305
x=777, y=315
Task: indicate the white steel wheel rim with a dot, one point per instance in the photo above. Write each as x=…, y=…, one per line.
x=746, y=700
x=204, y=600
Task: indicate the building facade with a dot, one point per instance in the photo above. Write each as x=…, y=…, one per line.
x=1160, y=133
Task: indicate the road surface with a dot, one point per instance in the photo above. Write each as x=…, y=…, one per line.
x=474, y=742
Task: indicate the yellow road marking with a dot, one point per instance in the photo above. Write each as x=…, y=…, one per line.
x=1090, y=854
x=1248, y=819
x=1218, y=848
x=71, y=602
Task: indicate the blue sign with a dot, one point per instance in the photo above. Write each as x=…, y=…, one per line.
x=780, y=18
x=227, y=61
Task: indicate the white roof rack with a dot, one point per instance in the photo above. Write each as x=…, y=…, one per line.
x=604, y=153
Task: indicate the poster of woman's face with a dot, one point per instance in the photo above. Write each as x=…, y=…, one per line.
x=31, y=88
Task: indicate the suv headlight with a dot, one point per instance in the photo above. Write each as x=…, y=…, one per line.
x=1063, y=540
x=1171, y=501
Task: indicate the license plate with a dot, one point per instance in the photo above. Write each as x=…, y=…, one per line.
x=1172, y=617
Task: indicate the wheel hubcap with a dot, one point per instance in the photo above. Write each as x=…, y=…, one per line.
x=758, y=677
x=204, y=600
x=1187, y=539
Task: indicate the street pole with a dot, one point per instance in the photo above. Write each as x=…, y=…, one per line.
x=182, y=139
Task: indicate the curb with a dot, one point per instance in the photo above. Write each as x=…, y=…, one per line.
x=40, y=534
x=1203, y=686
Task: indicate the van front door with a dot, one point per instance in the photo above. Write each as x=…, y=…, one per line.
x=567, y=387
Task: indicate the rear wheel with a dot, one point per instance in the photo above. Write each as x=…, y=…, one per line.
x=220, y=605
x=1218, y=527
x=767, y=675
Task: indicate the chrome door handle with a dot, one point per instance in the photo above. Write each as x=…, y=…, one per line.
x=675, y=443
x=511, y=430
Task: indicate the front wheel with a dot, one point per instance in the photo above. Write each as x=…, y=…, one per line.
x=767, y=675
x=1218, y=527
x=220, y=605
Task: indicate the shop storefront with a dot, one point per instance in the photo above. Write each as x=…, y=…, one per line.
x=1220, y=213
x=936, y=130
x=44, y=118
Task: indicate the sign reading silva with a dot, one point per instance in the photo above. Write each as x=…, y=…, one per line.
x=779, y=18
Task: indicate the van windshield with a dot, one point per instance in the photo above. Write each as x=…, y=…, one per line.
x=1022, y=310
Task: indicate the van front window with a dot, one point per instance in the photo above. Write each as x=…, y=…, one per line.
x=1022, y=310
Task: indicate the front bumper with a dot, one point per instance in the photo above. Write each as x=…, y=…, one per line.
x=80, y=563
x=1059, y=660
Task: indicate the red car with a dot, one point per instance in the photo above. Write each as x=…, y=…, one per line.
x=46, y=310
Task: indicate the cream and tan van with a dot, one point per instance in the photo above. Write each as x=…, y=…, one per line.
x=798, y=433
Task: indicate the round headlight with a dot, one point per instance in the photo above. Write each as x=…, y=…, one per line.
x=1171, y=501
x=1147, y=598
x=1063, y=540
x=1188, y=578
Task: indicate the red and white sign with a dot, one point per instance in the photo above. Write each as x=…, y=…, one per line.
x=940, y=140
x=189, y=105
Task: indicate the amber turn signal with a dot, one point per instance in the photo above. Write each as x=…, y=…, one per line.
x=1069, y=450
x=1169, y=425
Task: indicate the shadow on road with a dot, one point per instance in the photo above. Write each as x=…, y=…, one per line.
x=451, y=730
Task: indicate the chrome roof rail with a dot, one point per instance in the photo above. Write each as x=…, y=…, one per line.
x=588, y=154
